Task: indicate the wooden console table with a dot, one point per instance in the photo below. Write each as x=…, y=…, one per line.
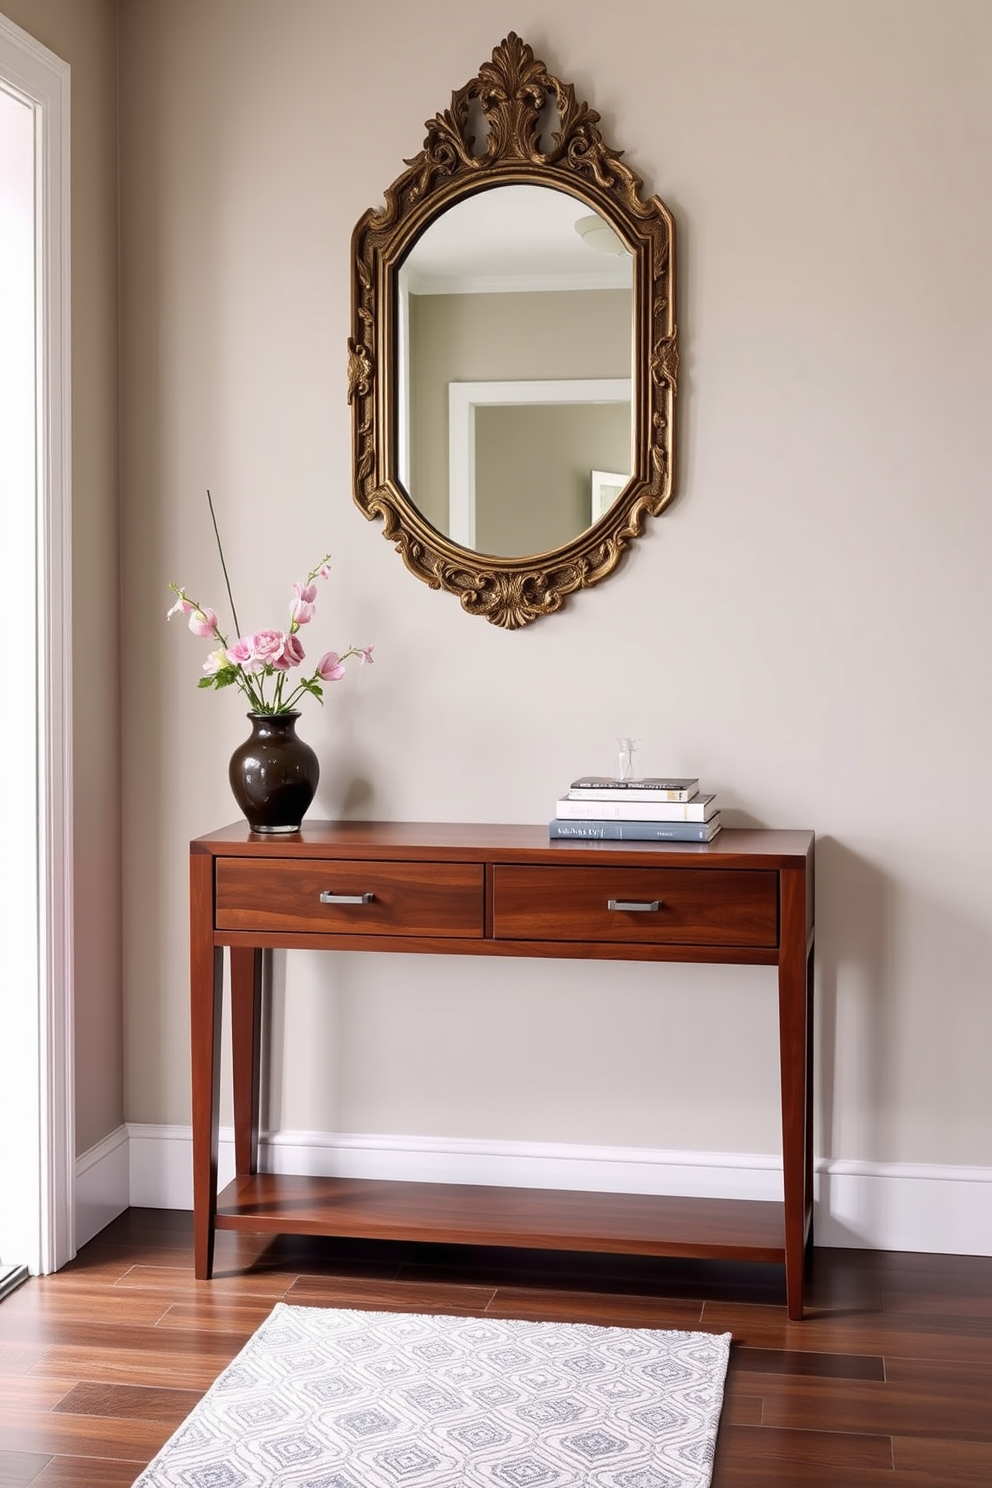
x=453, y=889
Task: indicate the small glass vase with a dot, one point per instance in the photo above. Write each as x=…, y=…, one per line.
x=626, y=758
x=274, y=774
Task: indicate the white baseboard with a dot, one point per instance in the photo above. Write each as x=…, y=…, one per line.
x=161, y=1165
x=875, y=1206
x=103, y=1184
x=904, y=1206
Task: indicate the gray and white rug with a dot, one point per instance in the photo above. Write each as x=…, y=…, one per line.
x=346, y=1399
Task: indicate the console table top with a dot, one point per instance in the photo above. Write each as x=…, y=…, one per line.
x=744, y=847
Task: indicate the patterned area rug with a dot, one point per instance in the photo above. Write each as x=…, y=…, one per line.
x=344, y=1399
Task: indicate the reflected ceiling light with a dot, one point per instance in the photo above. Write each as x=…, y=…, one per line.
x=599, y=236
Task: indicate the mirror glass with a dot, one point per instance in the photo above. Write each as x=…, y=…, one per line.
x=514, y=366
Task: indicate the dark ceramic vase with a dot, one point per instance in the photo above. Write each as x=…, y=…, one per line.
x=274, y=774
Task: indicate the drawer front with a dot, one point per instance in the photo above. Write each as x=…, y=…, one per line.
x=675, y=906
x=444, y=899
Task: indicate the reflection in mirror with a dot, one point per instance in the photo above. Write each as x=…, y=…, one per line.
x=513, y=378
x=522, y=456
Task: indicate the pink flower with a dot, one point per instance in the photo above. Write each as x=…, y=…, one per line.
x=291, y=655
x=203, y=623
x=267, y=646
x=365, y=652
x=242, y=654
x=329, y=667
x=181, y=607
x=324, y=571
x=303, y=604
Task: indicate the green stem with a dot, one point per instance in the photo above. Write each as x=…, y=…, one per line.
x=223, y=565
x=250, y=691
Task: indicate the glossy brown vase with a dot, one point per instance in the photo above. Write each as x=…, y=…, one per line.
x=274, y=774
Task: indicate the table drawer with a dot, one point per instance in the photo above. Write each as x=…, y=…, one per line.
x=392, y=898
x=679, y=906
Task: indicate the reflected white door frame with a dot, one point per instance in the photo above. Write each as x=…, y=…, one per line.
x=465, y=397
x=37, y=1129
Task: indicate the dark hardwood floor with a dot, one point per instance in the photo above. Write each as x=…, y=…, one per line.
x=888, y=1381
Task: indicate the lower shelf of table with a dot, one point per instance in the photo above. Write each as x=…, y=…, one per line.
x=469, y=1214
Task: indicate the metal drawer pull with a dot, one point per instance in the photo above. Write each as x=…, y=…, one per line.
x=648, y=905
x=328, y=898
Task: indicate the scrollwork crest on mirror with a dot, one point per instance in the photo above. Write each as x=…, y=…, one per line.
x=516, y=126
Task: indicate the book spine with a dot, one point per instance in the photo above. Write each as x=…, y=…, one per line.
x=626, y=793
x=643, y=811
x=628, y=831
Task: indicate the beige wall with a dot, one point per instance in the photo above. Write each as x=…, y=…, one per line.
x=807, y=628
x=84, y=34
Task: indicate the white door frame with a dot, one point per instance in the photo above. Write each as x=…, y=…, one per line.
x=45, y=1117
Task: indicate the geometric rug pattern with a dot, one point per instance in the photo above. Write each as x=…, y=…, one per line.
x=339, y=1398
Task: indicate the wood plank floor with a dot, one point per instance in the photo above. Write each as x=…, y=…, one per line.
x=887, y=1382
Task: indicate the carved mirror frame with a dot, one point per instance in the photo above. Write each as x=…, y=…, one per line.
x=497, y=132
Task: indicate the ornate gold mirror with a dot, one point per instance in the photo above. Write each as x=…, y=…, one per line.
x=513, y=359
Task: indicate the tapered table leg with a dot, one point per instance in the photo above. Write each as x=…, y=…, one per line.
x=206, y=973
x=246, y=1028
x=809, y=1095
x=795, y=1055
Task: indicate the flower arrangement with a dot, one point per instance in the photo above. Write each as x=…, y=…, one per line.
x=261, y=663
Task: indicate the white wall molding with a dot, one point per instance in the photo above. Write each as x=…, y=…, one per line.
x=890, y=1206
x=160, y=1165
x=904, y=1206
x=103, y=1184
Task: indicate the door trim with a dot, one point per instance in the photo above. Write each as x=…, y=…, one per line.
x=41, y=79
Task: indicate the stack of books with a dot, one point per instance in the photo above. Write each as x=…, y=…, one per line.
x=647, y=810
